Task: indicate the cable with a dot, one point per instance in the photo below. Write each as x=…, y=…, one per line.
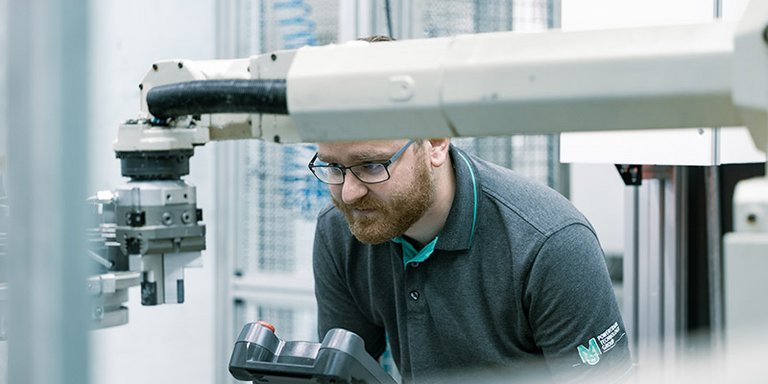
x=218, y=96
x=388, y=12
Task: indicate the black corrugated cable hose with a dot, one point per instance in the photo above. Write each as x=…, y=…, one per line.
x=218, y=96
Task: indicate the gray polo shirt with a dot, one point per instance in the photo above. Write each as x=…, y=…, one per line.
x=516, y=282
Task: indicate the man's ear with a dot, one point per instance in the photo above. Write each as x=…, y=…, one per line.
x=438, y=151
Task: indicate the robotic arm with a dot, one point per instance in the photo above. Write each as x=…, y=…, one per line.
x=712, y=74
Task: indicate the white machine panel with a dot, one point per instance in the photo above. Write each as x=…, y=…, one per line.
x=690, y=146
x=746, y=263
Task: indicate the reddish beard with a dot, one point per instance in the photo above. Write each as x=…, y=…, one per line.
x=384, y=220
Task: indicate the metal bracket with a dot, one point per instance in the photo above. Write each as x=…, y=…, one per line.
x=632, y=174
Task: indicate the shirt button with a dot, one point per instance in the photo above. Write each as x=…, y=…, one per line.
x=414, y=295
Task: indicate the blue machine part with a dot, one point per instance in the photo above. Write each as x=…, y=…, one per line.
x=296, y=27
x=300, y=191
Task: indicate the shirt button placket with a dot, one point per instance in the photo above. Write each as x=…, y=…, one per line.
x=414, y=292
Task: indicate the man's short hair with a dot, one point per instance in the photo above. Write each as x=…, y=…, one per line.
x=376, y=38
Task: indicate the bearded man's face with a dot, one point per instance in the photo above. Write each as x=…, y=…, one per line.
x=379, y=212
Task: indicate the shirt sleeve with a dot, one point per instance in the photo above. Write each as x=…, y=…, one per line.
x=573, y=312
x=336, y=306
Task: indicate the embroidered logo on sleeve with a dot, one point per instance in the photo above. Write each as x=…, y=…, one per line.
x=590, y=355
x=604, y=342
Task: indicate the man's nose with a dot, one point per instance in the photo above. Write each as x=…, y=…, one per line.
x=352, y=189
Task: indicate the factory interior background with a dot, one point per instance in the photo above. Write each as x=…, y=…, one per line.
x=259, y=200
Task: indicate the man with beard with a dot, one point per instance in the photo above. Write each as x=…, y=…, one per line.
x=461, y=266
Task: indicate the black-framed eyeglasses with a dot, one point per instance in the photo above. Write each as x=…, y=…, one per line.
x=369, y=173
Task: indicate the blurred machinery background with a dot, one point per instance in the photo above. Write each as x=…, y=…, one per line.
x=260, y=202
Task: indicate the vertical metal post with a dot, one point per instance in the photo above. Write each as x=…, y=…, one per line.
x=405, y=15
x=650, y=273
x=554, y=17
x=560, y=171
x=715, y=258
x=714, y=230
x=356, y=19
x=231, y=41
x=674, y=263
x=47, y=146
x=476, y=22
x=718, y=10
x=347, y=20
x=510, y=15
x=3, y=208
x=226, y=166
x=225, y=44
x=655, y=260
x=630, y=265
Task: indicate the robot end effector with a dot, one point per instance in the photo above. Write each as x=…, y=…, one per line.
x=151, y=227
x=146, y=232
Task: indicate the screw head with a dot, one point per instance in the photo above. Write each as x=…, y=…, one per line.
x=98, y=313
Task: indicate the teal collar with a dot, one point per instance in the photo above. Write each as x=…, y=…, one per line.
x=411, y=255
